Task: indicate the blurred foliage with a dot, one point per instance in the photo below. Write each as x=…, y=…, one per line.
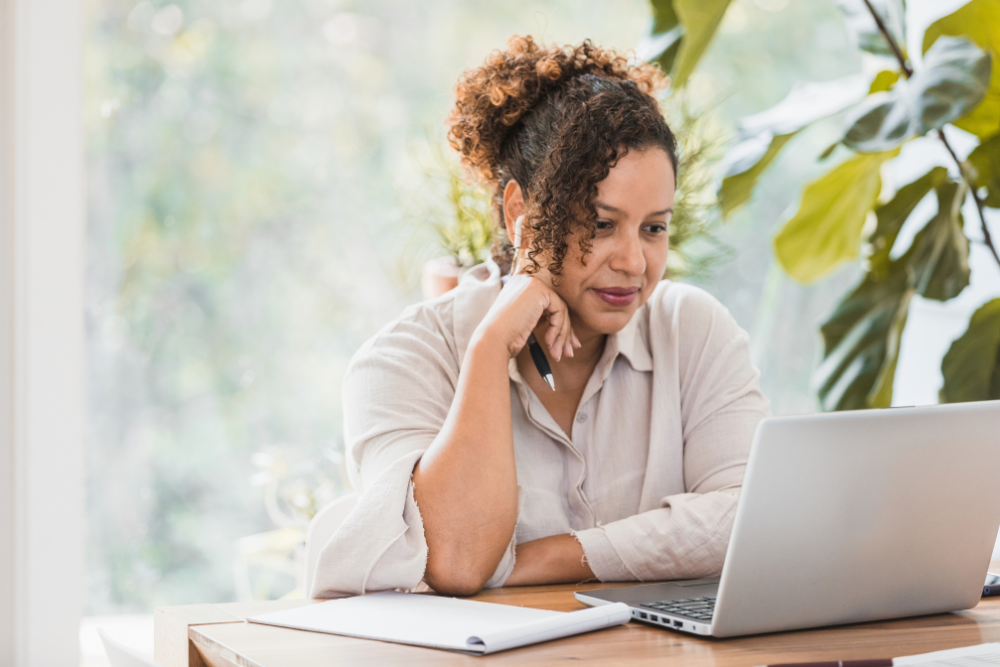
x=294, y=491
x=695, y=247
x=457, y=208
x=973, y=362
x=244, y=158
x=680, y=34
x=977, y=21
x=760, y=137
x=826, y=229
x=954, y=85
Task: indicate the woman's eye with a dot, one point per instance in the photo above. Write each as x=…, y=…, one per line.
x=603, y=224
x=657, y=229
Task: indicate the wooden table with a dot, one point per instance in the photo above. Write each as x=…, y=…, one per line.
x=217, y=636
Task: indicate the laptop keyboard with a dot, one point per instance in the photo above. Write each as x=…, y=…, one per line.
x=700, y=609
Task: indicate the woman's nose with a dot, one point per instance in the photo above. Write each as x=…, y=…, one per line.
x=628, y=256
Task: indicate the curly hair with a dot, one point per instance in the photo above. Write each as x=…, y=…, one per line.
x=555, y=120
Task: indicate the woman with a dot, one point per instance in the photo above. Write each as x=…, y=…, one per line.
x=473, y=471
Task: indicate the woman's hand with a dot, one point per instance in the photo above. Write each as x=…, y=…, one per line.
x=523, y=302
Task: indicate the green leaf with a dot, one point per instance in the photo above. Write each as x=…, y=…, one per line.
x=979, y=20
x=883, y=81
x=737, y=189
x=761, y=136
x=664, y=17
x=828, y=151
x=826, y=230
x=861, y=343
x=880, y=395
x=700, y=19
x=894, y=213
x=971, y=368
x=939, y=254
x=878, y=123
x=861, y=339
x=863, y=29
x=665, y=38
x=953, y=81
x=985, y=159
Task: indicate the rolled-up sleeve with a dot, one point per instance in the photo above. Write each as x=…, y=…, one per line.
x=684, y=539
x=397, y=393
x=720, y=406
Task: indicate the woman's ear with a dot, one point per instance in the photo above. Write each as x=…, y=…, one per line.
x=513, y=206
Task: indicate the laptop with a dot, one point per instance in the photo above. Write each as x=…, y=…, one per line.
x=844, y=518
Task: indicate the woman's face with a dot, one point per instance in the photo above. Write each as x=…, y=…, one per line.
x=629, y=253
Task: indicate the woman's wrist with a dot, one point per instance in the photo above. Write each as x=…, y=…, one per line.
x=557, y=559
x=486, y=343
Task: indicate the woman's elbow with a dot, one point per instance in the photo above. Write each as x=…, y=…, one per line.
x=450, y=578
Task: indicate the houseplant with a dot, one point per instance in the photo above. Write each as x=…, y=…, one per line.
x=957, y=83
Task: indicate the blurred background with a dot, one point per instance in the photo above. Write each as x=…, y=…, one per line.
x=265, y=183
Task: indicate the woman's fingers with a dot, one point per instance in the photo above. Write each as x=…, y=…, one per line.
x=555, y=327
x=558, y=317
x=554, y=337
x=567, y=338
x=559, y=336
x=522, y=289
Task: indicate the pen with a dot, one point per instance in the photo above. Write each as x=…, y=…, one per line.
x=541, y=363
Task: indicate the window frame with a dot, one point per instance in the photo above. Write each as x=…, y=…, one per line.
x=42, y=209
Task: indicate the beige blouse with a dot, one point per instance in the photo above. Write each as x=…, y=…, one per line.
x=647, y=481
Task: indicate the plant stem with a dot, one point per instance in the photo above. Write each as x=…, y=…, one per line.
x=987, y=239
x=908, y=72
x=905, y=66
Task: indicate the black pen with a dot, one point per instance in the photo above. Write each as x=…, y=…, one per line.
x=541, y=362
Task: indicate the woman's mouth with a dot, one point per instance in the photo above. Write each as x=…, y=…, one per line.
x=617, y=296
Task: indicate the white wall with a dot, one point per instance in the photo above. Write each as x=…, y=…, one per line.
x=41, y=331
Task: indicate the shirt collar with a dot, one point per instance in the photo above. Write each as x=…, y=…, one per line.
x=479, y=288
x=632, y=342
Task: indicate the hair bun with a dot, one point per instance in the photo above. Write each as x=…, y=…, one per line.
x=491, y=99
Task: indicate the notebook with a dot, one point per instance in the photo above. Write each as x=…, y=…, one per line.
x=982, y=655
x=444, y=623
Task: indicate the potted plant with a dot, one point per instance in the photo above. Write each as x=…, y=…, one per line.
x=464, y=232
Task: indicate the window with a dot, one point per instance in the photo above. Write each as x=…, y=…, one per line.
x=251, y=165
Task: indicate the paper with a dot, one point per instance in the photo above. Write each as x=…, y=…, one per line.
x=982, y=655
x=442, y=622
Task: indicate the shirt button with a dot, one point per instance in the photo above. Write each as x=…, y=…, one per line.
x=581, y=417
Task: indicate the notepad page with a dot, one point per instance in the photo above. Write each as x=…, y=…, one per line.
x=981, y=655
x=424, y=620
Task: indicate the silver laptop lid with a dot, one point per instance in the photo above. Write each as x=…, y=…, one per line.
x=858, y=516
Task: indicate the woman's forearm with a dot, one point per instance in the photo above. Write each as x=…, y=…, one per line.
x=466, y=483
x=557, y=559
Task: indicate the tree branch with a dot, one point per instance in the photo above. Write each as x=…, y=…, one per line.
x=987, y=239
x=908, y=72
x=903, y=65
